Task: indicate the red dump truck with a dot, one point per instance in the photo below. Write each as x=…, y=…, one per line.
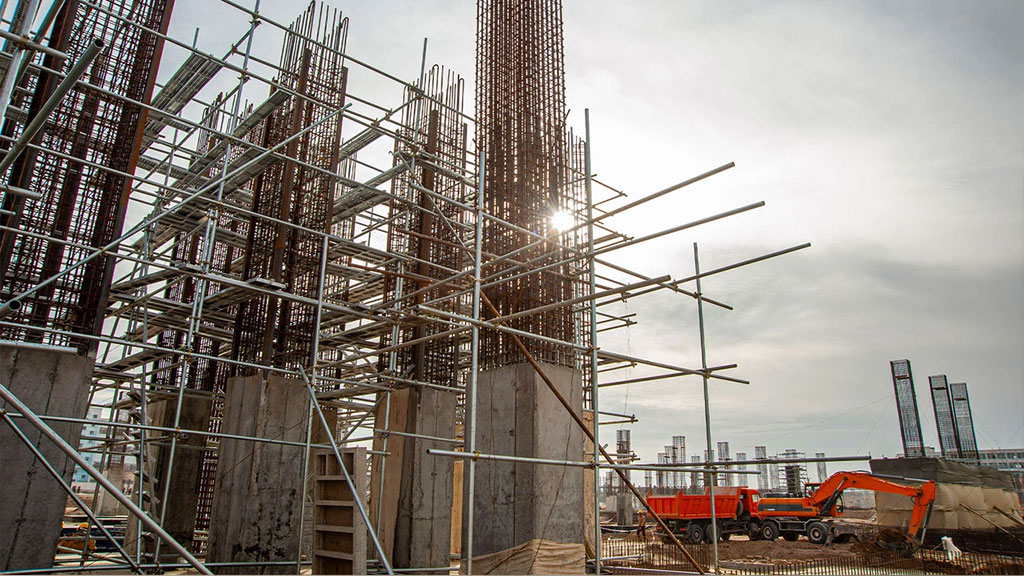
x=742, y=510
x=689, y=515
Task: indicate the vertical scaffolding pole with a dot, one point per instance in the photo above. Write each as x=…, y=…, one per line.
x=707, y=407
x=593, y=343
x=348, y=477
x=470, y=430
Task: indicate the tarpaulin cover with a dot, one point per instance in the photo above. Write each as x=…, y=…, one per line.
x=967, y=497
x=533, y=557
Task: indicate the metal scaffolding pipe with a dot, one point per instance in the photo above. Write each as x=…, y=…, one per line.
x=37, y=123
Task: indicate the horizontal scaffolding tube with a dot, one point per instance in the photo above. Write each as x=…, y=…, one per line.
x=572, y=463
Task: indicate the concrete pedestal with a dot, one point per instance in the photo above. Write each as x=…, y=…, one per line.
x=183, y=493
x=516, y=502
x=417, y=497
x=257, y=496
x=31, y=501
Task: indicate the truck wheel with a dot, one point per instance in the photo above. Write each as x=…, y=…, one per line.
x=695, y=533
x=817, y=532
x=769, y=531
x=754, y=532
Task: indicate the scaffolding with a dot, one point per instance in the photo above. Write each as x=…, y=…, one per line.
x=182, y=235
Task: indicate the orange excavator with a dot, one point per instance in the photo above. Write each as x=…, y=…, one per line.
x=811, y=515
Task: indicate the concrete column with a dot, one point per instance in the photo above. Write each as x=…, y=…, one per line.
x=183, y=496
x=32, y=503
x=518, y=502
x=417, y=512
x=257, y=497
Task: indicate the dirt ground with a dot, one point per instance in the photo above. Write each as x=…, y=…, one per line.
x=740, y=548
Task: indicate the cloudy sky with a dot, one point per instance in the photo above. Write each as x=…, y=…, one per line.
x=888, y=134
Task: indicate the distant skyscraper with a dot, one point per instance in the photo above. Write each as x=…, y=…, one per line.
x=696, y=478
x=723, y=456
x=670, y=457
x=906, y=405
x=662, y=475
x=742, y=480
x=761, y=453
x=679, y=453
x=822, y=468
x=949, y=442
x=964, y=420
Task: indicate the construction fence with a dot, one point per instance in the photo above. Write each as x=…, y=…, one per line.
x=628, y=556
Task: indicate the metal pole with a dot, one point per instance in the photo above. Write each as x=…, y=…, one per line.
x=209, y=239
x=19, y=52
x=344, y=471
x=78, y=500
x=707, y=408
x=469, y=434
x=309, y=412
x=593, y=340
x=62, y=89
x=102, y=480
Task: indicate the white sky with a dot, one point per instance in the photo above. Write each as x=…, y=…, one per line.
x=889, y=134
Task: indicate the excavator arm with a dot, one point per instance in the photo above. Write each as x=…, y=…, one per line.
x=923, y=495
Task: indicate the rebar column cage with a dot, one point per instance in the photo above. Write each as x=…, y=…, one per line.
x=533, y=171
x=81, y=206
x=269, y=329
x=430, y=233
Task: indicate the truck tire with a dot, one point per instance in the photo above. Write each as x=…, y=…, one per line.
x=769, y=531
x=817, y=532
x=695, y=533
x=753, y=532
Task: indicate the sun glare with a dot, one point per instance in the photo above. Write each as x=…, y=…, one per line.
x=561, y=221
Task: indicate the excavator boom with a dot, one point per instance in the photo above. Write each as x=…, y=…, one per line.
x=923, y=495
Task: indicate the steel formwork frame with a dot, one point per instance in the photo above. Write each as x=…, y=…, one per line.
x=194, y=276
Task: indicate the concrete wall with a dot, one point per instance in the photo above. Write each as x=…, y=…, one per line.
x=517, y=502
x=31, y=501
x=257, y=496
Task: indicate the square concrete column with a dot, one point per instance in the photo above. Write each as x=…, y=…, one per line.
x=516, y=502
x=53, y=383
x=258, y=493
x=417, y=499
x=183, y=478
